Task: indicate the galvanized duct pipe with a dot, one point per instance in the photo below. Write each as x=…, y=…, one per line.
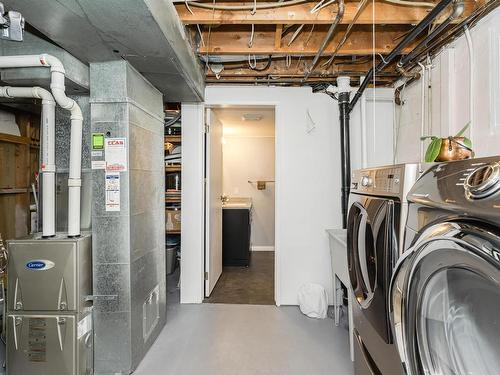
x=58, y=91
x=48, y=168
x=328, y=37
x=416, y=31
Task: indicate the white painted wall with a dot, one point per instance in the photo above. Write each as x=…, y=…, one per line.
x=447, y=101
x=308, y=180
x=379, y=115
x=251, y=159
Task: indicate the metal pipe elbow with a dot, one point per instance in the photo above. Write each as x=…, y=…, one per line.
x=458, y=9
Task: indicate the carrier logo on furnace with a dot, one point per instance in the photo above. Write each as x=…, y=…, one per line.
x=40, y=265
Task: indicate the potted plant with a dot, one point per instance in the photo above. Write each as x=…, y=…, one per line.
x=456, y=147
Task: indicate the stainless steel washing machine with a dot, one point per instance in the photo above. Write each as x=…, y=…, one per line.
x=445, y=291
x=375, y=233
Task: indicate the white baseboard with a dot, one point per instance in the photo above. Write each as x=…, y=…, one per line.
x=262, y=248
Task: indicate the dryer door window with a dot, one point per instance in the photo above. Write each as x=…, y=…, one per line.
x=458, y=323
x=445, y=302
x=370, y=260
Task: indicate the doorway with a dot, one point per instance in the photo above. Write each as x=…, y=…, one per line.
x=240, y=205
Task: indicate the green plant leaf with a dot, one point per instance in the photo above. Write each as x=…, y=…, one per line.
x=463, y=130
x=428, y=137
x=433, y=150
x=467, y=142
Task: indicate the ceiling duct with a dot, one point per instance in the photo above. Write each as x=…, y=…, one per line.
x=147, y=33
x=77, y=79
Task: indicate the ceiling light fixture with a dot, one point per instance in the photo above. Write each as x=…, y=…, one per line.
x=252, y=117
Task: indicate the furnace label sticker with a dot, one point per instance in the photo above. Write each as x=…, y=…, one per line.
x=98, y=164
x=112, y=187
x=115, y=154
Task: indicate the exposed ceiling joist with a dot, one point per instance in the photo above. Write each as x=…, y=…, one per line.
x=234, y=41
x=385, y=14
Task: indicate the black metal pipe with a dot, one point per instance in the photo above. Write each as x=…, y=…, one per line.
x=345, y=153
x=458, y=8
x=416, y=31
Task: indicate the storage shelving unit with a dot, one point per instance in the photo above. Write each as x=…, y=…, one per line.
x=19, y=158
x=176, y=140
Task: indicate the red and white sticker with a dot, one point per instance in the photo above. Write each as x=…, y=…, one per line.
x=115, y=154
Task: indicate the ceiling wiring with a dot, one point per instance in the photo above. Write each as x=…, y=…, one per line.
x=411, y=3
x=254, y=6
x=361, y=7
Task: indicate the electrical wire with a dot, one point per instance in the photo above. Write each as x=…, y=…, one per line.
x=252, y=34
x=295, y=34
x=251, y=7
x=173, y=121
x=209, y=35
x=361, y=7
x=411, y=3
x=398, y=125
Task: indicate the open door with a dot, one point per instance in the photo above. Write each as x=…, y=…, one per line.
x=213, y=202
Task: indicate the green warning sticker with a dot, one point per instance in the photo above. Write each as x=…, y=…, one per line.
x=97, y=141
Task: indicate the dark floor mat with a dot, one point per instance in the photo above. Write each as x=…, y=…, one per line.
x=252, y=285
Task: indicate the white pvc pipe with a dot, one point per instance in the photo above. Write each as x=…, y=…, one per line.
x=58, y=90
x=471, y=80
x=422, y=110
x=48, y=168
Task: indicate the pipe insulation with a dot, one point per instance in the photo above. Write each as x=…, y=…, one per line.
x=48, y=168
x=58, y=91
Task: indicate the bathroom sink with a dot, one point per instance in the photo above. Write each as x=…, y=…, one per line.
x=237, y=203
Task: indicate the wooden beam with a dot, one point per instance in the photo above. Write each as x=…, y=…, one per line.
x=9, y=138
x=385, y=13
x=233, y=40
x=277, y=36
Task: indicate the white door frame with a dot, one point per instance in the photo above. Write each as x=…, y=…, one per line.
x=277, y=173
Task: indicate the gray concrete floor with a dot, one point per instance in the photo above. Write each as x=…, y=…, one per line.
x=224, y=339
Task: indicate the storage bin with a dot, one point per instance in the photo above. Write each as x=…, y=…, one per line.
x=171, y=258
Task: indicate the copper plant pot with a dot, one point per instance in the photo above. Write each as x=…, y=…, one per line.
x=453, y=148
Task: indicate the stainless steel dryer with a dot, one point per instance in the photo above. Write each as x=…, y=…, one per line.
x=375, y=230
x=445, y=291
